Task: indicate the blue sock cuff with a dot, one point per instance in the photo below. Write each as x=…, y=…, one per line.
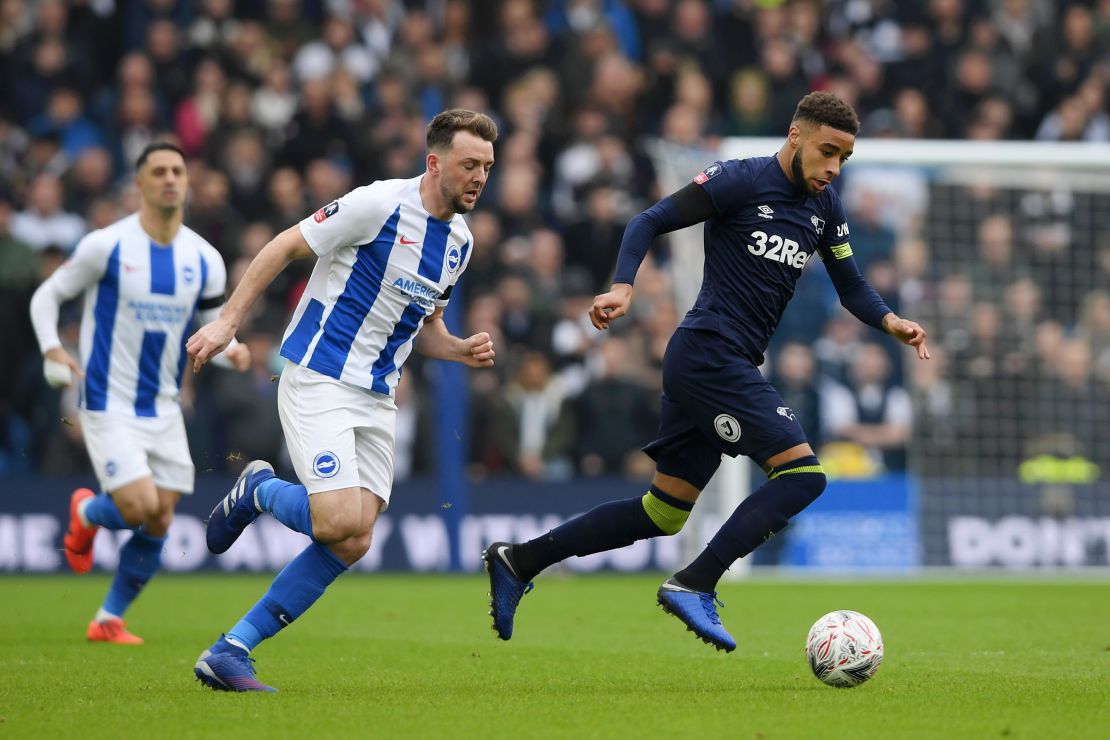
x=103, y=512
x=287, y=502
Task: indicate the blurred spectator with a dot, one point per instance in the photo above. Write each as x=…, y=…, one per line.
x=44, y=222
x=871, y=412
x=336, y=49
x=794, y=375
x=533, y=428
x=614, y=416
x=64, y=118
x=88, y=180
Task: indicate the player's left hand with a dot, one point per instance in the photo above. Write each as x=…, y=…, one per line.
x=907, y=332
x=478, y=350
x=239, y=355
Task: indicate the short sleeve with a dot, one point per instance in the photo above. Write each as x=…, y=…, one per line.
x=834, y=243
x=728, y=183
x=350, y=220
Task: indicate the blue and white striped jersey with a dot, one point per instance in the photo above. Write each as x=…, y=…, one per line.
x=140, y=298
x=385, y=265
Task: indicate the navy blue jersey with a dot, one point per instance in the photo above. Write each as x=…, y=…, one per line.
x=764, y=233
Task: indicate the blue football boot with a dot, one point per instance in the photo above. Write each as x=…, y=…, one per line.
x=238, y=508
x=225, y=667
x=505, y=589
x=698, y=610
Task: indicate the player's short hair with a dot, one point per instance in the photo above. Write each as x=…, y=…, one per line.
x=157, y=146
x=826, y=109
x=441, y=131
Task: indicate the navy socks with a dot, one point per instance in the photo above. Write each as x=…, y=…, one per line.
x=760, y=516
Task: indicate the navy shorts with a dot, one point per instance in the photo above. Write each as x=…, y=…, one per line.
x=716, y=402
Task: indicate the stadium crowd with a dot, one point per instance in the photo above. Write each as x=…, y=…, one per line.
x=282, y=105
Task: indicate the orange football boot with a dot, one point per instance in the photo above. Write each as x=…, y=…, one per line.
x=113, y=630
x=78, y=540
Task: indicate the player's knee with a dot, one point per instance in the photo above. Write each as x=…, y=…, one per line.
x=158, y=524
x=806, y=474
x=136, y=510
x=351, y=550
x=335, y=526
x=668, y=513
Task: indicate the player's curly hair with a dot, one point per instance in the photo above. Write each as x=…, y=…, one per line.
x=441, y=131
x=826, y=109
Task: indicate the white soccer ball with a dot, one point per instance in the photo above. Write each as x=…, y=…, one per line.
x=844, y=648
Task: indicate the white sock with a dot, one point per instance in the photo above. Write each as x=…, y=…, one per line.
x=81, y=511
x=236, y=643
x=103, y=616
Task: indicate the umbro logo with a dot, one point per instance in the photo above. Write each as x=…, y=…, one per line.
x=766, y=211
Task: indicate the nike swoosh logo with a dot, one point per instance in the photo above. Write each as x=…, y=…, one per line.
x=501, y=554
x=284, y=620
x=406, y=242
x=669, y=586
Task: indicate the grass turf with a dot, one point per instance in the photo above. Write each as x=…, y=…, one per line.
x=412, y=656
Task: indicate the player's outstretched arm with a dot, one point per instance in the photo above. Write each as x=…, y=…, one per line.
x=611, y=305
x=213, y=337
x=435, y=341
x=907, y=332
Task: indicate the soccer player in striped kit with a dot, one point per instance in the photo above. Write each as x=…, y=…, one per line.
x=388, y=255
x=143, y=278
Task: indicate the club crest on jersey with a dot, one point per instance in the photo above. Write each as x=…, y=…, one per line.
x=765, y=211
x=727, y=427
x=110, y=468
x=818, y=224
x=188, y=274
x=453, y=258
x=329, y=210
x=786, y=413
x=708, y=173
x=325, y=464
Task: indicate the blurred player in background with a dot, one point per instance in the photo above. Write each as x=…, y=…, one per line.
x=765, y=218
x=143, y=278
x=389, y=254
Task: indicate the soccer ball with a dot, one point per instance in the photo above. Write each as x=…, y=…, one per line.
x=844, y=648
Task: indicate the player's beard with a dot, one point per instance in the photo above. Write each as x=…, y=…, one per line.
x=458, y=205
x=800, y=179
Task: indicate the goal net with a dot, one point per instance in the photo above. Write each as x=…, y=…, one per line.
x=1002, y=251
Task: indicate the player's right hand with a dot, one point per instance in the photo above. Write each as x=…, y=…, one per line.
x=209, y=341
x=58, y=367
x=611, y=305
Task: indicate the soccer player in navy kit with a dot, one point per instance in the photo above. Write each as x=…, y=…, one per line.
x=765, y=218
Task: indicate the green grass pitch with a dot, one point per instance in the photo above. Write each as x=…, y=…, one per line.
x=385, y=656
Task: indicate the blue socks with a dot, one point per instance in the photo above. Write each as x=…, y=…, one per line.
x=139, y=559
x=791, y=488
x=103, y=512
x=294, y=590
x=288, y=502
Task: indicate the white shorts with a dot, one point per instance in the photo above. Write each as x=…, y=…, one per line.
x=125, y=448
x=339, y=435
